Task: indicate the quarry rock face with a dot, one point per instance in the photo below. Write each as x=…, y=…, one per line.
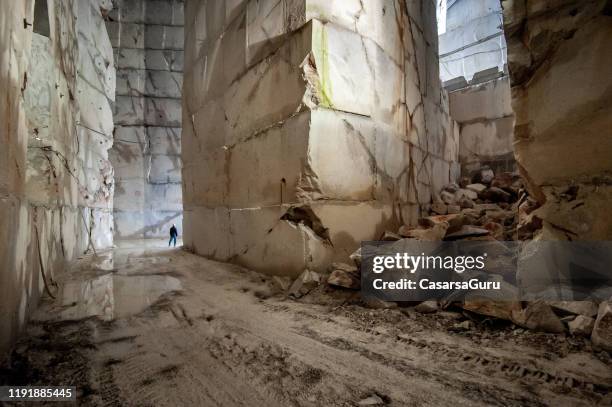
x=147, y=38
x=332, y=107
x=56, y=182
x=486, y=121
x=563, y=148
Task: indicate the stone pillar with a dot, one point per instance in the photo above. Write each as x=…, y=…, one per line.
x=559, y=58
x=309, y=126
x=147, y=36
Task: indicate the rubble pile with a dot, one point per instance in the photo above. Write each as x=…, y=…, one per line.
x=580, y=319
x=485, y=206
x=489, y=207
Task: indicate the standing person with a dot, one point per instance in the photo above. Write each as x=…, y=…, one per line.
x=173, y=235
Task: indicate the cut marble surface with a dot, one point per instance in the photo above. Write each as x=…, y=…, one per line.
x=149, y=114
x=329, y=108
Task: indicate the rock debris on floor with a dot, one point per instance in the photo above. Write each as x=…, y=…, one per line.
x=229, y=336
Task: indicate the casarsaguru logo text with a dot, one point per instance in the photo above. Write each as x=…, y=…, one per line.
x=426, y=284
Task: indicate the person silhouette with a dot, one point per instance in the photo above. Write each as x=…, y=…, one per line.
x=173, y=235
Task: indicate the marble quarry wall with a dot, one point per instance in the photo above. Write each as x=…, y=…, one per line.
x=560, y=51
x=147, y=36
x=56, y=183
x=309, y=126
x=486, y=120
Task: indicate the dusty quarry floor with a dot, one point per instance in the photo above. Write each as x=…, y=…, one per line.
x=186, y=331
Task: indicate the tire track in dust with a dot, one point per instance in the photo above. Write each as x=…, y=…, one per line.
x=462, y=360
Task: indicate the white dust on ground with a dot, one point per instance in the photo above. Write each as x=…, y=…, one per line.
x=229, y=337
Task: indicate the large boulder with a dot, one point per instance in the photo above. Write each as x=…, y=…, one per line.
x=501, y=304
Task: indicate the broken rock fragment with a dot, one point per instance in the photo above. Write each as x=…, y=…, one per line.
x=485, y=175
x=467, y=231
x=495, y=194
x=492, y=308
x=499, y=304
x=434, y=233
x=538, y=316
x=581, y=325
x=527, y=206
x=447, y=197
x=461, y=326
x=356, y=257
x=304, y=283
x=586, y=308
x=465, y=202
x=476, y=187
x=528, y=225
x=373, y=400
x=498, y=216
x=487, y=207
x=282, y=282
x=495, y=229
x=375, y=303
x=506, y=180
x=452, y=187
x=389, y=237
x=465, y=193
x=454, y=221
x=452, y=209
x=344, y=275
x=471, y=213
x=427, y=307
x=439, y=208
